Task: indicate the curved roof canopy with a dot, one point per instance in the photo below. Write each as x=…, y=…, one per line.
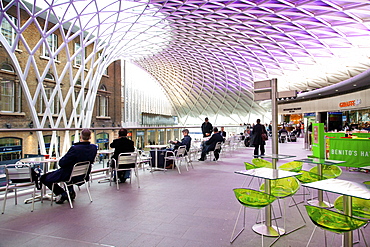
x=207, y=54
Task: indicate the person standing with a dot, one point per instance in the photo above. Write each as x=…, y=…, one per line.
x=258, y=142
x=206, y=128
x=298, y=128
x=80, y=151
x=122, y=145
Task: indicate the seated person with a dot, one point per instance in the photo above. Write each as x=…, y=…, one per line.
x=80, y=151
x=185, y=141
x=211, y=144
x=282, y=130
x=122, y=145
x=222, y=132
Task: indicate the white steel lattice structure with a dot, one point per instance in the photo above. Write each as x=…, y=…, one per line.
x=205, y=54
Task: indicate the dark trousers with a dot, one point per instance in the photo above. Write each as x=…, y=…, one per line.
x=204, y=154
x=261, y=147
x=48, y=179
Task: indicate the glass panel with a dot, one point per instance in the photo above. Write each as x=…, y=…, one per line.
x=78, y=59
x=7, y=30
x=7, y=96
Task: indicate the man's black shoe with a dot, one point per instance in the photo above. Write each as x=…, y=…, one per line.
x=61, y=198
x=201, y=159
x=72, y=195
x=215, y=159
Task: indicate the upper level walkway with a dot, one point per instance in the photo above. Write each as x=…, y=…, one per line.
x=196, y=208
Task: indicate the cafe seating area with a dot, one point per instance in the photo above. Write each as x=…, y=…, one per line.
x=195, y=208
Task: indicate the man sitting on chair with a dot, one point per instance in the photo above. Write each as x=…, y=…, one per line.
x=186, y=141
x=80, y=151
x=211, y=144
x=122, y=145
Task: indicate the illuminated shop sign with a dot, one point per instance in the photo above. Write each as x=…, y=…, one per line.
x=350, y=103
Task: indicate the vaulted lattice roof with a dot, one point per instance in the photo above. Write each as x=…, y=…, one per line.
x=207, y=54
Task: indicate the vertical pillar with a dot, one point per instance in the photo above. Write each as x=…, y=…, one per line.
x=275, y=143
x=156, y=136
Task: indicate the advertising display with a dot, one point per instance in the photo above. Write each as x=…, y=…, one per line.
x=356, y=152
x=318, y=140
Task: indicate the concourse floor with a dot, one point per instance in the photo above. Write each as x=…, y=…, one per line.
x=196, y=208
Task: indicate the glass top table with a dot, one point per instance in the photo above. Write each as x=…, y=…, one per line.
x=268, y=173
x=266, y=228
x=348, y=189
x=276, y=156
x=319, y=163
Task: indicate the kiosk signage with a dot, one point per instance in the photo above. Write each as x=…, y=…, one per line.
x=318, y=140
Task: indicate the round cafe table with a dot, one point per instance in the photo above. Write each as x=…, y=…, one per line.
x=46, y=167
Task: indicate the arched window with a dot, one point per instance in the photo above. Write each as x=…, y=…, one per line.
x=49, y=76
x=103, y=102
x=7, y=67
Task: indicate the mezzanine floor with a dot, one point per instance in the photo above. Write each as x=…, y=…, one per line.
x=196, y=208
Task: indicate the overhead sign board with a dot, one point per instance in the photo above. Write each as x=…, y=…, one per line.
x=262, y=85
x=262, y=95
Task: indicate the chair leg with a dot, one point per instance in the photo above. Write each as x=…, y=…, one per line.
x=33, y=198
x=88, y=191
x=15, y=196
x=232, y=239
x=363, y=236
x=136, y=171
x=5, y=196
x=52, y=194
x=67, y=191
x=186, y=163
x=177, y=165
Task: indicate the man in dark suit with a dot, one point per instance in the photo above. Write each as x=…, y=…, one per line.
x=258, y=142
x=186, y=141
x=206, y=128
x=122, y=145
x=222, y=132
x=211, y=144
x=80, y=151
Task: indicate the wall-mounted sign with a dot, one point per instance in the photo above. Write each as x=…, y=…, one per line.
x=350, y=103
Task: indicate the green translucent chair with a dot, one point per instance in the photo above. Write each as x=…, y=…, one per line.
x=360, y=207
x=258, y=162
x=293, y=166
x=250, y=198
x=333, y=221
x=283, y=188
x=328, y=171
x=249, y=166
x=308, y=177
